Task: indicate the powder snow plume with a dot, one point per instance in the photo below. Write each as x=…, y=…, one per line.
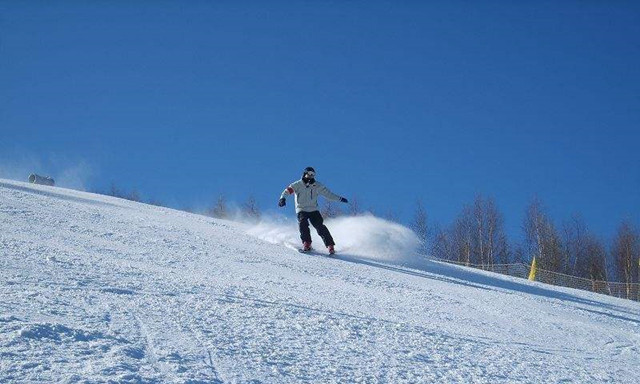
x=365, y=236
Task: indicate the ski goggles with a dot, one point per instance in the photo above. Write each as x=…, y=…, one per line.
x=310, y=174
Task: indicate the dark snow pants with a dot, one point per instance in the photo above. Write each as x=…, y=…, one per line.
x=318, y=223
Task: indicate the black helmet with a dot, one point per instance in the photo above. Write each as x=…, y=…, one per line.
x=309, y=172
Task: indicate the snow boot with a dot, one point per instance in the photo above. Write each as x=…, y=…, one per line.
x=306, y=246
x=331, y=250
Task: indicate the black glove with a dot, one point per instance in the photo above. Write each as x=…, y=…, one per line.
x=343, y=200
x=282, y=202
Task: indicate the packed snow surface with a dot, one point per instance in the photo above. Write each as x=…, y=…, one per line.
x=98, y=289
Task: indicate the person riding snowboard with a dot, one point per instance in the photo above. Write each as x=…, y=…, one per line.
x=306, y=192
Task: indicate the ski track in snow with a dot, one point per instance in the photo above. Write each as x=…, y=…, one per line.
x=99, y=289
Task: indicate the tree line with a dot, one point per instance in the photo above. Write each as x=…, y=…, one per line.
x=477, y=236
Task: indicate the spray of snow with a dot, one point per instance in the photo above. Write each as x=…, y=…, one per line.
x=18, y=166
x=74, y=176
x=365, y=236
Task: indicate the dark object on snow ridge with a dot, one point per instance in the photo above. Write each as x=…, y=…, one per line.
x=42, y=180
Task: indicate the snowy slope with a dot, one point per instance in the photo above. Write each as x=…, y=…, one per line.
x=95, y=289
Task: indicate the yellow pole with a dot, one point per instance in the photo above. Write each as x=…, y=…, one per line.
x=532, y=273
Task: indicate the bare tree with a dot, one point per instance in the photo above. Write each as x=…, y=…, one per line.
x=489, y=238
x=220, y=210
x=519, y=254
x=555, y=260
x=441, y=246
x=479, y=229
x=476, y=237
x=133, y=196
x=503, y=249
x=584, y=254
x=419, y=225
x=534, y=227
x=596, y=259
x=251, y=209
x=542, y=239
x=462, y=234
x=575, y=246
x=114, y=191
x=625, y=252
x=117, y=192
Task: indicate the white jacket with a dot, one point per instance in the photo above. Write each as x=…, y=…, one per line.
x=306, y=195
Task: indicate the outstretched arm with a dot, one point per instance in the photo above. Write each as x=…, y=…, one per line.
x=324, y=191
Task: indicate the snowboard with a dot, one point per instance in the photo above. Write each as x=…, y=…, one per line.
x=312, y=251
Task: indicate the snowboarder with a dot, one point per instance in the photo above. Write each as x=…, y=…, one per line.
x=306, y=192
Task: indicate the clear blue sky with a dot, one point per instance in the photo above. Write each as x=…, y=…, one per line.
x=389, y=101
